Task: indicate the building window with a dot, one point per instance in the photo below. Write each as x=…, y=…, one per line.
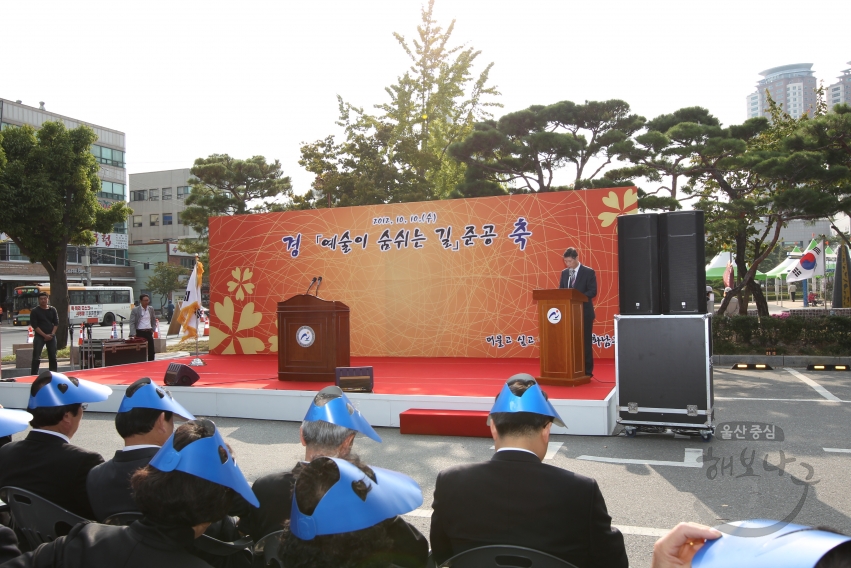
x=108, y=156
x=166, y=218
x=111, y=190
x=137, y=220
x=139, y=195
x=187, y=261
x=182, y=191
x=155, y=219
x=166, y=193
x=155, y=195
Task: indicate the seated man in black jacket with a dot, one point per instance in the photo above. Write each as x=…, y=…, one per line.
x=343, y=515
x=145, y=420
x=516, y=499
x=328, y=429
x=188, y=485
x=46, y=463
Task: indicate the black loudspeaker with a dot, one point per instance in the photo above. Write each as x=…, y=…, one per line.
x=681, y=259
x=178, y=375
x=638, y=264
x=355, y=379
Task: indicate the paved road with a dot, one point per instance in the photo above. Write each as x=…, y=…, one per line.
x=644, y=499
x=10, y=334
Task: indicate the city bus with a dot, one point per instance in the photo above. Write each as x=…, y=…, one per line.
x=105, y=303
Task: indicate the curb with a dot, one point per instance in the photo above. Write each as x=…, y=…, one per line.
x=776, y=361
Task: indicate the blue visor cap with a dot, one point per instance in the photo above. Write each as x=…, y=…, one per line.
x=62, y=390
x=340, y=411
x=530, y=401
x=767, y=544
x=207, y=458
x=145, y=394
x=341, y=510
x=13, y=421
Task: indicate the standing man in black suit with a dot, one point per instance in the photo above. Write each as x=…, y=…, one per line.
x=583, y=279
x=45, y=321
x=45, y=462
x=515, y=499
x=145, y=420
x=328, y=430
x=142, y=323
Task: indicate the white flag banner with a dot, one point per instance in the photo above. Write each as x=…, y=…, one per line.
x=190, y=312
x=810, y=264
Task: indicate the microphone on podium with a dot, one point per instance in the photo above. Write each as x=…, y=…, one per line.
x=312, y=282
x=317, y=286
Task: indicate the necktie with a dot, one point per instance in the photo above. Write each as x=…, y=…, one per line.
x=571, y=276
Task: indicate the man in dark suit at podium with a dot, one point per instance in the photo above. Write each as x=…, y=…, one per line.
x=583, y=279
x=516, y=499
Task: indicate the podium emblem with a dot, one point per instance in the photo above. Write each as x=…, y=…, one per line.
x=305, y=336
x=554, y=315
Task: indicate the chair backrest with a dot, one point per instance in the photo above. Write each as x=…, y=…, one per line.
x=505, y=556
x=37, y=518
x=267, y=549
x=123, y=519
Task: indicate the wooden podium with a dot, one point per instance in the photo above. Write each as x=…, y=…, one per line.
x=313, y=338
x=560, y=329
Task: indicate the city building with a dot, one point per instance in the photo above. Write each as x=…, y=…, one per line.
x=839, y=92
x=109, y=254
x=145, y=258
x=157, y=200
x=791, y=86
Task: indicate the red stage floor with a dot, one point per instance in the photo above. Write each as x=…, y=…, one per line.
x=446, y=376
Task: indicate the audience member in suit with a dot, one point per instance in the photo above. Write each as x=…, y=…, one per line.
x=343, y=515
x=8, y=544
x=516, y=499
x=188, y=485
x=583, y=279
x=145, y=420
x=328, y=429
x=45, y=462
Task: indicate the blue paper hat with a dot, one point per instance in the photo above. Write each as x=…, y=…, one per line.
x=532, y=400
x=144, y=393
x=13, y=421
x=341, y=510
x=340, y=411
x=207, y=458
x=758, y=544
x=62, y=390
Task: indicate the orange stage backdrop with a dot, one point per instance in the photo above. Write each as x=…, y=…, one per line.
x=433, y=279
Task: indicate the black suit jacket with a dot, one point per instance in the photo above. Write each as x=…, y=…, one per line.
x=109, y=483
x=585, y=282
x=8, y=544
x=516, y=499
x=51, y=468
x=141, y=545
x=274, y=491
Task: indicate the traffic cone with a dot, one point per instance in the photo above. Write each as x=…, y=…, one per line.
x=157, y=330
x=206, y=325
x=80, y=340
x=30, y=334
x=114, y=334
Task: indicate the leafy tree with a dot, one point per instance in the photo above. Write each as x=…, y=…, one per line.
x=223, y=185
x=523, y=150
x=48, y=200
x=400, y=153
x=664, y=162
x=165, y=280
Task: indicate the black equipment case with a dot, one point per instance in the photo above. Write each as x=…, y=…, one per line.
x=663, y=370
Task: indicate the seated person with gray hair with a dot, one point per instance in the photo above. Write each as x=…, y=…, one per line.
x=328, y=430
x=344, y=515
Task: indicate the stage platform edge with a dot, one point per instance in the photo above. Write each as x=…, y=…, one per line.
x=582, y=417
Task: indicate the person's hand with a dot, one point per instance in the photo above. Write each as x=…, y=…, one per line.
x=678, y=547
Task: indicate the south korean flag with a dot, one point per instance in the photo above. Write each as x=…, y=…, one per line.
x=810, y=264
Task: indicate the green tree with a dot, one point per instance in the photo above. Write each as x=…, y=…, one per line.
x=523, y=150
x=223, y=185
x=48, y=200
x=165, y=280
x=400, y=153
